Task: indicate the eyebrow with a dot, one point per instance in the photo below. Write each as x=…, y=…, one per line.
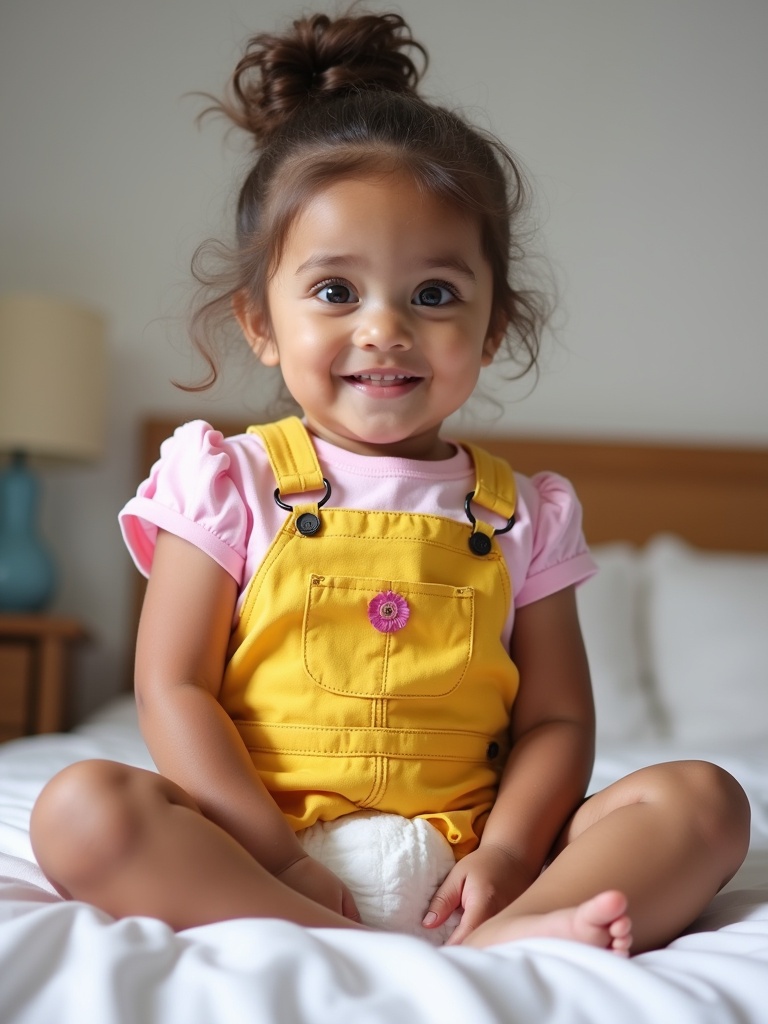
x=326, y=259
x=451, y=263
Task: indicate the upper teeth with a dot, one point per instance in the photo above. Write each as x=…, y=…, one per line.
x=381, y=376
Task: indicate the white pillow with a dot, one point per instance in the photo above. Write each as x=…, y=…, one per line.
x=708, y=638
x=609, y=613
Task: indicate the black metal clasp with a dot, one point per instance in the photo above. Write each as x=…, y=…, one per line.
x=307, y=523
x=480, y=543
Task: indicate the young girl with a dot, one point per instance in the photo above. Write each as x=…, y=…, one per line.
x=350, y=612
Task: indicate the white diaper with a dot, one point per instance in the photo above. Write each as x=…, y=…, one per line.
x=392, y=866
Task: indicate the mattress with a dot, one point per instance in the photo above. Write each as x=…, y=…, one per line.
x=65, y=962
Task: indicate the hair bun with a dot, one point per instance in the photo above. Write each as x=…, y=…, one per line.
x=319, y=58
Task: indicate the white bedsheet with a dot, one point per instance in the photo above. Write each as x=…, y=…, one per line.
x=65, y=963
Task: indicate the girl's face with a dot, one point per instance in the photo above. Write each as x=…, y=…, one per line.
x=379, y=316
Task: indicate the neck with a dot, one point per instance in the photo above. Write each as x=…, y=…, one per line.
x=421, y=448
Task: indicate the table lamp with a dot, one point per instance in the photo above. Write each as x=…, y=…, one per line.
x=53, y=405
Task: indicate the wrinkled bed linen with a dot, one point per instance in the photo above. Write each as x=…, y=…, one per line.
x=66, y=962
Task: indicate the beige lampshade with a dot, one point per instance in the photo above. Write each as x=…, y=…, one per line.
x=53, y=384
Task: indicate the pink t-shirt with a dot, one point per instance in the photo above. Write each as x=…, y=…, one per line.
x=217, y=493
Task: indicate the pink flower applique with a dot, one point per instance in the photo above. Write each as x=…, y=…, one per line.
x=388, y=612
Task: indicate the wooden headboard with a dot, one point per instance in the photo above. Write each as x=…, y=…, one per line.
x=713, y=497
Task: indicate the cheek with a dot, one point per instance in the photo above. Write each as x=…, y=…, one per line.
x=463, y=353
x=304, y=369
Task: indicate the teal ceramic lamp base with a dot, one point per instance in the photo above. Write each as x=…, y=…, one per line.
x=27, y=575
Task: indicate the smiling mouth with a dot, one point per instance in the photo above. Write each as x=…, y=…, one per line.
x=382, y=380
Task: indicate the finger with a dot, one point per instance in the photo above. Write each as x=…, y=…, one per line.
x=474, y=914
x=349, y=907
x=444, y=902
x=460, y=932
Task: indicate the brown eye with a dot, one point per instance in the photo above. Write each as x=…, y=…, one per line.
x=336, y=293
x=433, y=295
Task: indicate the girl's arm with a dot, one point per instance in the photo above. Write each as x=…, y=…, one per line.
x=547, y=772
x=180, y=657
x=552, y=732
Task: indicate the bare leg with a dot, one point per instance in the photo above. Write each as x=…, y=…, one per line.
x=666, y=837
x=132, y=842
x=662, y=841
x=601, y=921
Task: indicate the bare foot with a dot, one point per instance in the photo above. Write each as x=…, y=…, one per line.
x=601, y=921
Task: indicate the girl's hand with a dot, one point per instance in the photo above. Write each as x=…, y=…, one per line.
x=311, y=878
x=481, y=884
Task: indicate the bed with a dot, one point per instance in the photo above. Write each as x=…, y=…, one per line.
x=675, y=626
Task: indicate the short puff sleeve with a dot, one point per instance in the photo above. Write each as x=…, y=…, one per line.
x=558, y=555
x=193, y=491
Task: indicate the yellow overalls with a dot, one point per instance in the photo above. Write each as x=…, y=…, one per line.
x=366, y=670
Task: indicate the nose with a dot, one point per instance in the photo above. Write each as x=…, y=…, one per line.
x=384, y=328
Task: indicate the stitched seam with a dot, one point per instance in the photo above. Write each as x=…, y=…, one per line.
x=290, y=460
x=555, y=565
x=375, y=754
x=457, y=474
x=370, y=796
x=385, y=663
x=492, y=556
x=334, y=730
x=257, y=580
x=384, y=779
x=347, y=692
x=276, y=459
x=506, y=584
x=441, y=590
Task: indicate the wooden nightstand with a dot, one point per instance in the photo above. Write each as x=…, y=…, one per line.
x=34, y=663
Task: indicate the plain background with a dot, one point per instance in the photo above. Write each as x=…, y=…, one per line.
x=642, y=126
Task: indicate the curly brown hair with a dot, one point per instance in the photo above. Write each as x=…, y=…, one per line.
x=336, y=98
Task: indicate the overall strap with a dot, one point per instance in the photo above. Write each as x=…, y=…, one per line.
x=294, y=463
x=495, y=490
x=495, y=482
x=291, y=455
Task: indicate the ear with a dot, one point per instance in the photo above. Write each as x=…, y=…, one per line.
x=496, y=331
x=254, y=323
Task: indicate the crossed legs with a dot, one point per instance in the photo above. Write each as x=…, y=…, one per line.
x=667, y=838
x=654, y=847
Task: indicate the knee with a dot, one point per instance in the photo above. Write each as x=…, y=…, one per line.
x=711, y=801
x=85, y=819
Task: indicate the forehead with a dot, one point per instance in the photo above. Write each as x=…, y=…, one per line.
x=392, y=209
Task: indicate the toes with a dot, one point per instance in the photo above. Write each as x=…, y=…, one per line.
x=606, y=913
x=621, y=927
x=621, y=945
x=620, y=932
x=605, y=908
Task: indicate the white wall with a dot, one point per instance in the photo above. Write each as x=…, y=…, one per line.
x=641, y=124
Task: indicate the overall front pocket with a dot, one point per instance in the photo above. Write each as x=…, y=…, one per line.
x=357, y=649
